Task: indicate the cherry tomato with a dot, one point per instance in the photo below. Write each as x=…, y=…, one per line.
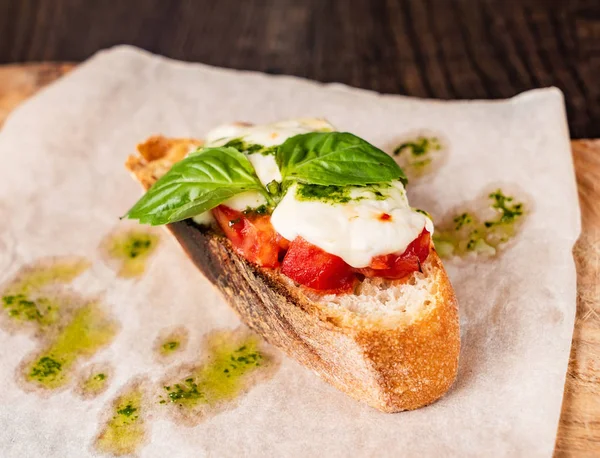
x=310, y=266
x=252, y=235
x=394, y=266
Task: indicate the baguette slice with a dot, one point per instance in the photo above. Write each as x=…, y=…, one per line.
x=393, y=344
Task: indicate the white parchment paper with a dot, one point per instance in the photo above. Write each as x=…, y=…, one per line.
x=63, y=186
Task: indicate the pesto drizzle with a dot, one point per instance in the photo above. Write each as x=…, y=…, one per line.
x=250, y=148
x=468, y=233
x=338, y=194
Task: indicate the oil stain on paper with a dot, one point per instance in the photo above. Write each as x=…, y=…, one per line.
x=482, y=227
x=128, y=250
x=124, y=427
x=232, y=363
x=31, y=300
x=94, y=380
x=169, y=343
x=420, y=154
x=68, y=328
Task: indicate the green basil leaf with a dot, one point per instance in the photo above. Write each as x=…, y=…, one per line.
x=196, y=184
x=335, y=158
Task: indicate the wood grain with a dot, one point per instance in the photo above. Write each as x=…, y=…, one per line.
x=426, y=48
x=18, y=82
x=579, y=429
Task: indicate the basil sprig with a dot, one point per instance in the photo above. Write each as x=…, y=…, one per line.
x=210, y=176
x=196, y=184
x=335, y=158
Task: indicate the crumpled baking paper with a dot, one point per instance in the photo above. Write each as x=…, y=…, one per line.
x=63, y=187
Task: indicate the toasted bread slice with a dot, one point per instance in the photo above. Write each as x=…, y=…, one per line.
x=392, y=344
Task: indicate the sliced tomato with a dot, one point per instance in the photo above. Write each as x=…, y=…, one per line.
x=310, y=266
x=394, y=266
x=252, y=235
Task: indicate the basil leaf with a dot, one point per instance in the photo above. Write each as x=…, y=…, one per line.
x=196, y=184
x=335, y=158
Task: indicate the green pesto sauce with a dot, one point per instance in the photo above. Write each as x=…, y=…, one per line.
x=132, y=249
x=46, y=273
x=125, y=431
x=339, y=194
x=250, y=148
x=506, y=206
x=170, y=346
x=221, y=378
x=25, y=300
x=417, y=156
x=467, y=233
x=418, y=147
x=423, y=212
x=88, y=330
x=94, y=384
x=169, y=342
x=333, y=194
x=260, y=210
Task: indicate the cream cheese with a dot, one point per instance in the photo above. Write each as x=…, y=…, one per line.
x=354, y=230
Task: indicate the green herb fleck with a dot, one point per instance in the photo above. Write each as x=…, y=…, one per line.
x=468, y=234
x=45, y=367
x=423, y=212
x=332, y=194
x=462, y=219
x=125, y=431
x=26, y=299
x=221, y=378
x=418, y=147
x=250, y=148
x=92, y=382
x=131, y=249
x=170, y=341
x=88, y=330
x=170, y=346
x=418, y=156
x=508, y=209
x=260, y=210
x=128, y=410
x=18, y=306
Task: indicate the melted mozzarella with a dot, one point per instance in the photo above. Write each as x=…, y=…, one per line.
x=246, y=200
x=264, y=164
x=265, y=167
x=240, y=202
x=353, y=230
x=266, y=134
x=204, y=219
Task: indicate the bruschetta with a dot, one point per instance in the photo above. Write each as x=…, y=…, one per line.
x=308, y=234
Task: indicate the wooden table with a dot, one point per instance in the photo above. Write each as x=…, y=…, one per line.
x=579, y=431
x=445, y=49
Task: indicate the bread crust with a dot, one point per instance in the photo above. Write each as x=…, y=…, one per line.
x=402, y=367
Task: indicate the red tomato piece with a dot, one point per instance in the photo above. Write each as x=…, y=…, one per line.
x=394, y=266
x=252, y=235
x=310, y=266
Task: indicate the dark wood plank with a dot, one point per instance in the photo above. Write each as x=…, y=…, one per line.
x=426, y=48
